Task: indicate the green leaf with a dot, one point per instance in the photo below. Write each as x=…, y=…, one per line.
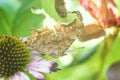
x=25, y=19
x=4, y=28
x=7, y=12
x=114, y=52
x=84, y=71
x=111, y=57
x=52, y=12
x=25, y=22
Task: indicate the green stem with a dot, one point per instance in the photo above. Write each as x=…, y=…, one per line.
x=107, y=44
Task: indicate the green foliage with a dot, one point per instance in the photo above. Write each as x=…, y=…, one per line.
x=25, y=20
x=90, y=69
x=19, y=19
x=6, y=16
x=91, y=63
x=16, y=17
x=49, y=7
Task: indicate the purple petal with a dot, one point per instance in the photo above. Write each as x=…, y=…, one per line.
x=1, y=78
x=37, y=75
x=21, y=76
x=41, y=66
x=16, y=77
x=35, y=55
x=13, y=77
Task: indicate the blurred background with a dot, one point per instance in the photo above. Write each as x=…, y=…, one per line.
x=88, y=60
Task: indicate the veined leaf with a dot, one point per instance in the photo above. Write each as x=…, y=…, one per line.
x=7, y=12
x=25, y=19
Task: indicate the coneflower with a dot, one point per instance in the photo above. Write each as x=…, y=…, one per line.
x=16, y=62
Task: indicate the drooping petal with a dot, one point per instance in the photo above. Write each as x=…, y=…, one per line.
x=41, y=66
x=35, y=55
x=91, y=7
x=14, y=77
x=111, y=4
x=37, y=75
x=103, y=11
x=104, y=8
x=37, y=65
x=22, y=76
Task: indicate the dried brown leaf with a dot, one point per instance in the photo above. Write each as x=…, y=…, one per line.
x=91, y=31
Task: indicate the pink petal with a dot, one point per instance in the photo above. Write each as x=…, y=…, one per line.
x=37, y=75
x=13, y=77
x=1, y=78
x=35, y=55
x=41, y=66
x=21, y=76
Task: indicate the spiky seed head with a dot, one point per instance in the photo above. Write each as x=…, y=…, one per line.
x=14, y=56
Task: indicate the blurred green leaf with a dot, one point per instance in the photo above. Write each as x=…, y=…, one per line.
x=49, y=7
x=4, y=28
x=85, y=71
x=111, y=57
x=25, y=19
x=114, y=52
x=16, y=17
x=7, y=12
x=22, y=24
